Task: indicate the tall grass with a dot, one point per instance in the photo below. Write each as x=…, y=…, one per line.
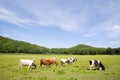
x=76, y=71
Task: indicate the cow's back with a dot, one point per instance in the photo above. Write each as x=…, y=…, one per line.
x=26, y=62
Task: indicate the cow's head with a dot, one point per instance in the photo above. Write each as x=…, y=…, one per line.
x=34, y=66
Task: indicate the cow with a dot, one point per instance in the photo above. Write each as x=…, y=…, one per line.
x=96, y=65
x=72, y=60
x=64, y=61
x=67, y=61
x=48, y=62
x=25, y=62
x=52, y=59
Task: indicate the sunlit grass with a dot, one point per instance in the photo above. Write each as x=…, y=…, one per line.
x=76, y=71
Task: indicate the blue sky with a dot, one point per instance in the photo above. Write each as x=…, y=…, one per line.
x=62, y=23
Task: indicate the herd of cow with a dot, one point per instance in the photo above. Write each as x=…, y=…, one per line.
x=94, y=64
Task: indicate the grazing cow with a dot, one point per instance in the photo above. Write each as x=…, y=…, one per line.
x=96, y=64
x=72, y=60
x=30, y=63
x=64, y=61
x=52, y=59
x=67, y=61
x=48, y=62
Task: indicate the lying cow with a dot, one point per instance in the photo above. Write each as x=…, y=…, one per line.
x=30, y=63
x=96, y=65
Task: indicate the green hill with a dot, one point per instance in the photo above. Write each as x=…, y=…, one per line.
x=82, y=46
x=8, y=45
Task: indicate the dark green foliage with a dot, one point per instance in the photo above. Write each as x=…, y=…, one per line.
x=110, y=51
x=12, y=46
x=8, y=45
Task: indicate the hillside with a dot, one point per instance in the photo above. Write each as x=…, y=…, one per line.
x=8, y=45
x=82, y=46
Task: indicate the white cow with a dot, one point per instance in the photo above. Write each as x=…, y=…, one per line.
x=29, y=63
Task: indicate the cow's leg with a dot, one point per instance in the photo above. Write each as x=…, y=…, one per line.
x=20, y=66
x=40, y=64
x=61, y=63
x=91, y=67
x=97, y=67
x=29, y=67
x=56, y=63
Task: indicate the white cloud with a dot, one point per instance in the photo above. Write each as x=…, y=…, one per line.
x=109, y=19
x=70, y=17
x=89, y=35
x=109, y=28
x=113, y=31
x=107, y=8
x=8, y=16
x=114, y=28
x=49, y=13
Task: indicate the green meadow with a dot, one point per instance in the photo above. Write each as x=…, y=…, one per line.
x=75, y=71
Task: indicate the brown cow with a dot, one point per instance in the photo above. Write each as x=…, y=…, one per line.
x=48, y=62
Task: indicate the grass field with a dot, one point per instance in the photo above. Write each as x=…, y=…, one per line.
x=76, y=71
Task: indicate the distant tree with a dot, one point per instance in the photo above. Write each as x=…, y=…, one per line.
x=110, y=51
x=117, y=51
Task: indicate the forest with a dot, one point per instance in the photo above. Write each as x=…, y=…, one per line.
x=8, y=45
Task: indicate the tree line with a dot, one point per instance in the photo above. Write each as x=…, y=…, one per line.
x=8, y=45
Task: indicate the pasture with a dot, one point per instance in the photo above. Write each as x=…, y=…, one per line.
x=76, y=71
